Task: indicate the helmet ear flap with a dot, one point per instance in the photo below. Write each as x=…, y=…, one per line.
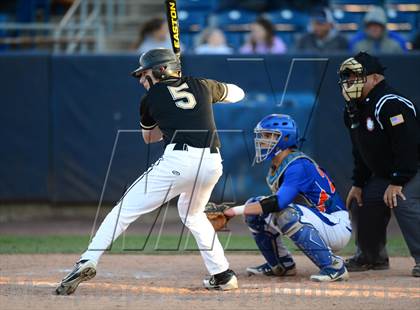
x=156, y=74
x=159, y=72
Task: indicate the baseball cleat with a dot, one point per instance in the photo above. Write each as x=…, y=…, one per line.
x=267, y=270
x=285, y=267
x=336, y=272
x=84, y=270
x=222, y=281
x=354, y=264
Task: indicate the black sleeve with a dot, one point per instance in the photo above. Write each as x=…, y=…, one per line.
x=398, y=118
x=217, y=89
x=146, y=120
x=361, y=172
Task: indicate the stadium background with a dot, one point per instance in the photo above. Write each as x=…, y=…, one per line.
x=61, y=114
x=69, y=115
x=63, y=104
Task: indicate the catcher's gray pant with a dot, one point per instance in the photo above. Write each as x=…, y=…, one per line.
x=334, y=228
x=191, y=173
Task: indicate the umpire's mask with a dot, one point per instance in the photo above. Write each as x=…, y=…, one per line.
x=352, y=79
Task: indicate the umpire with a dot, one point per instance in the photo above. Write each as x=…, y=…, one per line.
x=385, y=132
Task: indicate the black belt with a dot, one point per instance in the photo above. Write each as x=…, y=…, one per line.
x=184, y=147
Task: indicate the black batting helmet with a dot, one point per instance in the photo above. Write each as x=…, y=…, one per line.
x=163, y=62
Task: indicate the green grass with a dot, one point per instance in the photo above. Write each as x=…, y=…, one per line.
x=167, y=244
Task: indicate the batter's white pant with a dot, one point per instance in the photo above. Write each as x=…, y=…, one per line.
x=192, y=174
x=334, y=228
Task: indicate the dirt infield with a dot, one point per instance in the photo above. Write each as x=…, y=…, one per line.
x=174, y=282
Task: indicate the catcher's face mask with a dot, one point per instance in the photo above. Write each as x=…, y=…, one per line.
x=265, y=142
x=352, y=79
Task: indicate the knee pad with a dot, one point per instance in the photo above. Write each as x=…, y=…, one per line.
x=305, y=237
x=256, y=223
x=288, y=220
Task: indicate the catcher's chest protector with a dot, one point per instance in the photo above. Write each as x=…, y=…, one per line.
x=274, y=176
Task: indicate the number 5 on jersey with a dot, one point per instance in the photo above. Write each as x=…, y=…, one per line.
x=182, y=98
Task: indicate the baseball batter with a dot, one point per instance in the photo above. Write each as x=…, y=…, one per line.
x=177, y=110
x=304, y=206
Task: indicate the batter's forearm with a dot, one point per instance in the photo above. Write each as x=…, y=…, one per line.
x=152, y=136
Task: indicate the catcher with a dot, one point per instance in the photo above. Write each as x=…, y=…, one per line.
x=304, y=206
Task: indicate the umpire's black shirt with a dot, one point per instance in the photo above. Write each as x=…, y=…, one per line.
x=182, y=108
x=386, y=143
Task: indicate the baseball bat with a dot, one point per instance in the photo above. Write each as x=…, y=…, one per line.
x=172, y=17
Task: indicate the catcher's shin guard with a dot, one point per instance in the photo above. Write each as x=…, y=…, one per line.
x=265, y=240
x=305, y=237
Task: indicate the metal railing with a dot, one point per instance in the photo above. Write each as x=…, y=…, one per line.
x=77, y=22
x=82, y=28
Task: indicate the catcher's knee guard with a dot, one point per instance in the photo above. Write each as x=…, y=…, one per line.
x=305, y=236
x=265, y=240
x=256, y=223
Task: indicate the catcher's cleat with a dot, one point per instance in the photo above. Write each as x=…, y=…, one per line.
x=281, y=270
x=84, y=270
x=416, y=270
x=336, y=272
x=223, y=281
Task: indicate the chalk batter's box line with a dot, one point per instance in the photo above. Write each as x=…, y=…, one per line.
x=293, y=289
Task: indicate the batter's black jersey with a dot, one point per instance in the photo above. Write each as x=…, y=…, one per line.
x=182, y=108
x=387, y=141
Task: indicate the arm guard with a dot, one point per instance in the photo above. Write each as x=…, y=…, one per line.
x=270, y=204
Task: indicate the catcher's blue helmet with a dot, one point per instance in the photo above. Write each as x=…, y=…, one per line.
x=273, y=134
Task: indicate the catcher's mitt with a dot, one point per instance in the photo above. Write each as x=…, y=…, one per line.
x=216, y=216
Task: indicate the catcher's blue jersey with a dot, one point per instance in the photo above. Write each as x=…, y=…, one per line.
x=304, y=177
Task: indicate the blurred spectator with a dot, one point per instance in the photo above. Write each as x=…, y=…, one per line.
x=262, y=39
x=376, y=38
x=213, y=41
x=322, y=36
x=154, y=34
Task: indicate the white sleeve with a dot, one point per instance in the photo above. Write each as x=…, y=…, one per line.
x=234, y=94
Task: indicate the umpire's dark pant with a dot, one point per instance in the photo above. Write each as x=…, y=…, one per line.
x=370, y=221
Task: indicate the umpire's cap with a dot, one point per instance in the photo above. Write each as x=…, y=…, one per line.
x=158, y=57
x=371, y=64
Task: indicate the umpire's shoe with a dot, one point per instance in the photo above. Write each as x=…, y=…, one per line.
x=355, y=264
x=335, y=272
x=223, y=281
x=286, y=267
x=83, y=270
